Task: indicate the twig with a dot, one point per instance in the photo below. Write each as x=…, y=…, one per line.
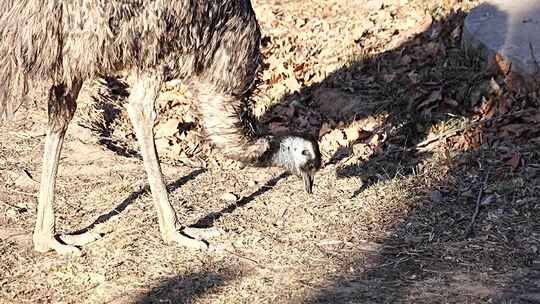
x=245, y=258
x=536, y=65
x=469, y=230
x=451, y=133
x=19, y=192
x=445, y=135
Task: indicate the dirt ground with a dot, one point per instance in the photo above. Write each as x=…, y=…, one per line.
x=416, y=134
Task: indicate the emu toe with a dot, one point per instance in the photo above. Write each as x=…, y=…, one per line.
x=181, y=240
x=48, y=244
x=203, y=233
x=80, y=239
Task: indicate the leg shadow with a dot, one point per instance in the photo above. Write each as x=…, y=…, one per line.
x=208, y=220
x=135, y=195
x=183, y=289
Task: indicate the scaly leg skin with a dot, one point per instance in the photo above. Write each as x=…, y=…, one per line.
x=44, y=239
x=203, y=233
x=142, y=115
x=177, y=238
x=79, y=239
x=62, y=105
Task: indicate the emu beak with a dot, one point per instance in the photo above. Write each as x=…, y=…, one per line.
x=308, y=178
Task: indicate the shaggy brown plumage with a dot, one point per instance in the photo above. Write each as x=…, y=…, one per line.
x=213, y=45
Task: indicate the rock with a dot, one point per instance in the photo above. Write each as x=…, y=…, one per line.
x=507, y=29
x=229, y=197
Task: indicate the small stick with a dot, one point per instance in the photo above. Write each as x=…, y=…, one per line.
x=469, y=230
x=19, y=192
x=456, y=131
x=245, y=258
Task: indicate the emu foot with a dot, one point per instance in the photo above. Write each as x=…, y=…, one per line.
x=45, y=244
x=203, y=233
x=179, y=239
x=80, y=239
x=64, y=244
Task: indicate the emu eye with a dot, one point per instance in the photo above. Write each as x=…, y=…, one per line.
x=305, y=152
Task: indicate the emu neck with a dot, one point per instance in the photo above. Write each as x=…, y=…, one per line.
x=281, y=158
x=277, y=154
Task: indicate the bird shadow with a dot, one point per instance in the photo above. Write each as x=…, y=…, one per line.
x=183, y=289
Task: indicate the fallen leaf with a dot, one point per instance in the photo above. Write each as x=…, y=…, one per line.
x=324, y=129
x=515, y=160
x=514, y=130
x=389, y=77
x=292, y=84
x=406, y=60
x=489, y=199
x=336, y=104
x=432, y=98
x=290, y=111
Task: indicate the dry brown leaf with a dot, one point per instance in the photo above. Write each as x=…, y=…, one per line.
x=515, y=160
x=335, y=104
x=505, y=105
x=352, y=133
x=292, y=84
x=325, y=128
x=498, y=64
x=290, y=111
x=435, y=96
x=278, y=127
x=389, y=77
x=514, y=130
x=451, y=102
x=405, y=60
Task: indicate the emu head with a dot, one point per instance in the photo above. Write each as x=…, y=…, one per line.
x=300, y=155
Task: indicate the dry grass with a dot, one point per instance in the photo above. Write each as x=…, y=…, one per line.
x=387, y=222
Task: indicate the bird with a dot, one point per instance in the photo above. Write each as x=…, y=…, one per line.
x=212, y=45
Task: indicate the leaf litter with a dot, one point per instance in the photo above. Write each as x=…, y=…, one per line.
x=408, y=124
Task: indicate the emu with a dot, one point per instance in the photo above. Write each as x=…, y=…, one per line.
x=213, y=45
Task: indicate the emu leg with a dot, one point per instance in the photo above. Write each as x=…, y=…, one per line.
x=142, y=115
x=62, y=105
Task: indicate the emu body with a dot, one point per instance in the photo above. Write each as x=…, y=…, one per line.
x=213, y=45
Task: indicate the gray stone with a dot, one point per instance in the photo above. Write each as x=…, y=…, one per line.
x=510, y=28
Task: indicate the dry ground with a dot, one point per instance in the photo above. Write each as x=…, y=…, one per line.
x=416, y=133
